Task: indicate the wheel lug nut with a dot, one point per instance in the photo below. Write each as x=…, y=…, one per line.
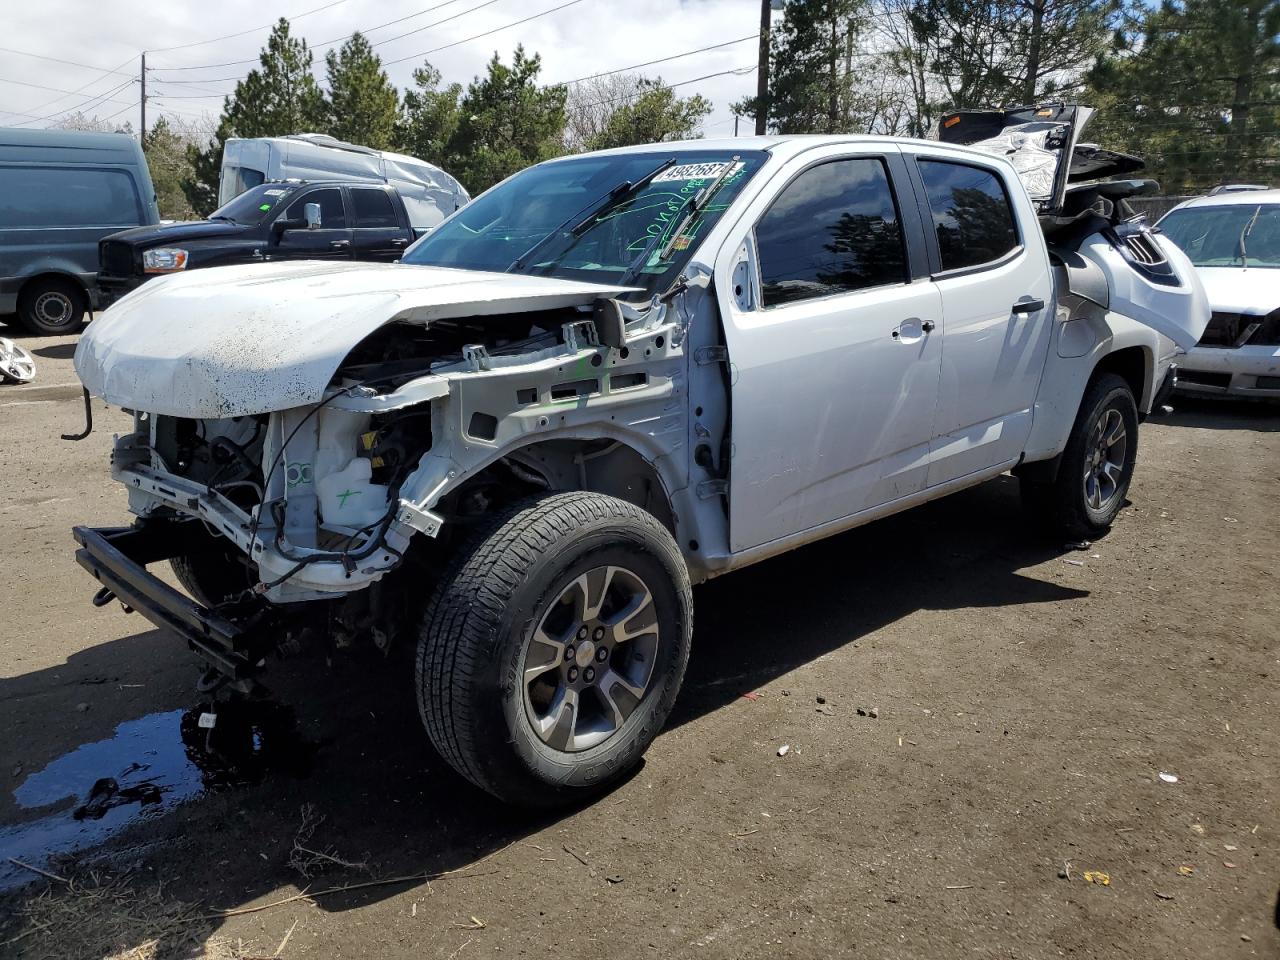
x=569, y=652
x=582, y=632
x=589, y=674
x=602, y=654
x=573, y=674
x=598, y=634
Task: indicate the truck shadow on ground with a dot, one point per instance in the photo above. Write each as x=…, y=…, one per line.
x=387, y=800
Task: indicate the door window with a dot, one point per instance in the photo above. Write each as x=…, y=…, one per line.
x=67, y=197
x=332, y=216
x=971, y=213
x=832, y=230
x=373, y=208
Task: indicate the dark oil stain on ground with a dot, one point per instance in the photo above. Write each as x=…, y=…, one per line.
x=148, y=767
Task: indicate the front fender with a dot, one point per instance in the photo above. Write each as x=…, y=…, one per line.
x=1077, y=348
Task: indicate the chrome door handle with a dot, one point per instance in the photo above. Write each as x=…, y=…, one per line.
x=927, y=326
x=399, y=242
x=339, y=244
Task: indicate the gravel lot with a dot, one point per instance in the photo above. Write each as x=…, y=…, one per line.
x=977, y=726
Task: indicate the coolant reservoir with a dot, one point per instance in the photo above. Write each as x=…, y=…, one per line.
x=348, y=499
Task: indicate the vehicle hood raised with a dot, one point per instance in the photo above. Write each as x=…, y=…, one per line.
x=175, y=232
x=232, y=341
x=1251, y=290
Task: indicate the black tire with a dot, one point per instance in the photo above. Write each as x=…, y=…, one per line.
x=504, y=583
x=52, y=306
x=1062, y=506
x=214, y=571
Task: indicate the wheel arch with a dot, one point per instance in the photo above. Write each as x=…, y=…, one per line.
x=57, y=273
x=608, y=464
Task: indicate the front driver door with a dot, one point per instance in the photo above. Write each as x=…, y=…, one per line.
x=836, y=366
x=329, y=241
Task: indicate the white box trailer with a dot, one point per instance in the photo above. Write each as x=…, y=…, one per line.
x=430, y=194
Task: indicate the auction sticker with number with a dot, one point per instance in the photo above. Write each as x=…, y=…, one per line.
x=694, y=171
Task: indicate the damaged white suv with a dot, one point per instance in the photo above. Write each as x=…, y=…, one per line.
x=608, y=378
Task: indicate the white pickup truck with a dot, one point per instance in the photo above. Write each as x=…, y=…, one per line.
x=611, y=377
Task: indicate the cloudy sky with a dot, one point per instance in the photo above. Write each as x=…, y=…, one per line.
x=92, y=48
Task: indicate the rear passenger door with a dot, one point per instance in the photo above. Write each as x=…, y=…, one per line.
x=330, y=241
x=997, y=311
x=378, y=233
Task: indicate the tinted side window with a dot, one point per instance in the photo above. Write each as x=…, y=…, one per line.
x=971, y=213
x=67, y=197
x=833, y=229
x=332, y=216
x=373, y=209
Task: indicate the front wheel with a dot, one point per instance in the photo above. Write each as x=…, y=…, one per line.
x=1096, y=467
x=554, y=647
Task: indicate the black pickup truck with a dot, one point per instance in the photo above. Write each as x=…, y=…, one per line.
x=286, y=220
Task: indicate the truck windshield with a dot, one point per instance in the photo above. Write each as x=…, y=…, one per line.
x=1227, y=235
x=644, y=234
x=256, y=205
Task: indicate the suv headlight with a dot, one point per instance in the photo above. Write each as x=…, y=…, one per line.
x=163, y=260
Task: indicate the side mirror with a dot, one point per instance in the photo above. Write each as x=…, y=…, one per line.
x=311, y=214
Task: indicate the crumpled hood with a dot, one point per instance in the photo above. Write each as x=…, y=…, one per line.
x=1252, y=290
x=231, y=341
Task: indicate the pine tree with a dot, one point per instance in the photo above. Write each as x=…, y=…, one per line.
x=362, y=103
x=279, y=98
x=813, y=85
x=506, y=122
x=429, y=116
x=1192, y=88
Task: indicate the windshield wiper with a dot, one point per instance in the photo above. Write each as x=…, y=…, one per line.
x=584, y=216
x=694, y=205
x=1244, y=235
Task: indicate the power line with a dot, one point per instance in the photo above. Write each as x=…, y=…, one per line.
x=80, y=107
x=40, y=86
x=325, y=43
x=120, y=111
x=740, y=72
x=461, y=13
x=514, y=23
x=650, y=63
x=232, y=36
x=69, y=63
x=80, y=89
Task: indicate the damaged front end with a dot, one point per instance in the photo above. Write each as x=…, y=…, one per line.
x=426, y=423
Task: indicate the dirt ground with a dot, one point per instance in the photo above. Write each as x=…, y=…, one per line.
x=978, y=723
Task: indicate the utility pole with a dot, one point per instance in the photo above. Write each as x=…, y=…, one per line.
x=142, y=120
x=735, y=124
x=762, y=70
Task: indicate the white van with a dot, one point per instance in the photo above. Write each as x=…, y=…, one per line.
x=430, y=194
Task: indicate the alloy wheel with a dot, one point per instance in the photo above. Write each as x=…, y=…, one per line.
x=589, y=661
x=1105, y=459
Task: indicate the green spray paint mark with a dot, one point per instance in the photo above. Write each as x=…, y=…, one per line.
x=345, y=494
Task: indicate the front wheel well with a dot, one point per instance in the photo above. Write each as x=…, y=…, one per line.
x=1133, y=366
x=605, y=466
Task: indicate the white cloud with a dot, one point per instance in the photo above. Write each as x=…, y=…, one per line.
x=588, y=37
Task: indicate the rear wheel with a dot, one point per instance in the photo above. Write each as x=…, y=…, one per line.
x=1096, y=467
x=554, y=647
x=52, y=306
